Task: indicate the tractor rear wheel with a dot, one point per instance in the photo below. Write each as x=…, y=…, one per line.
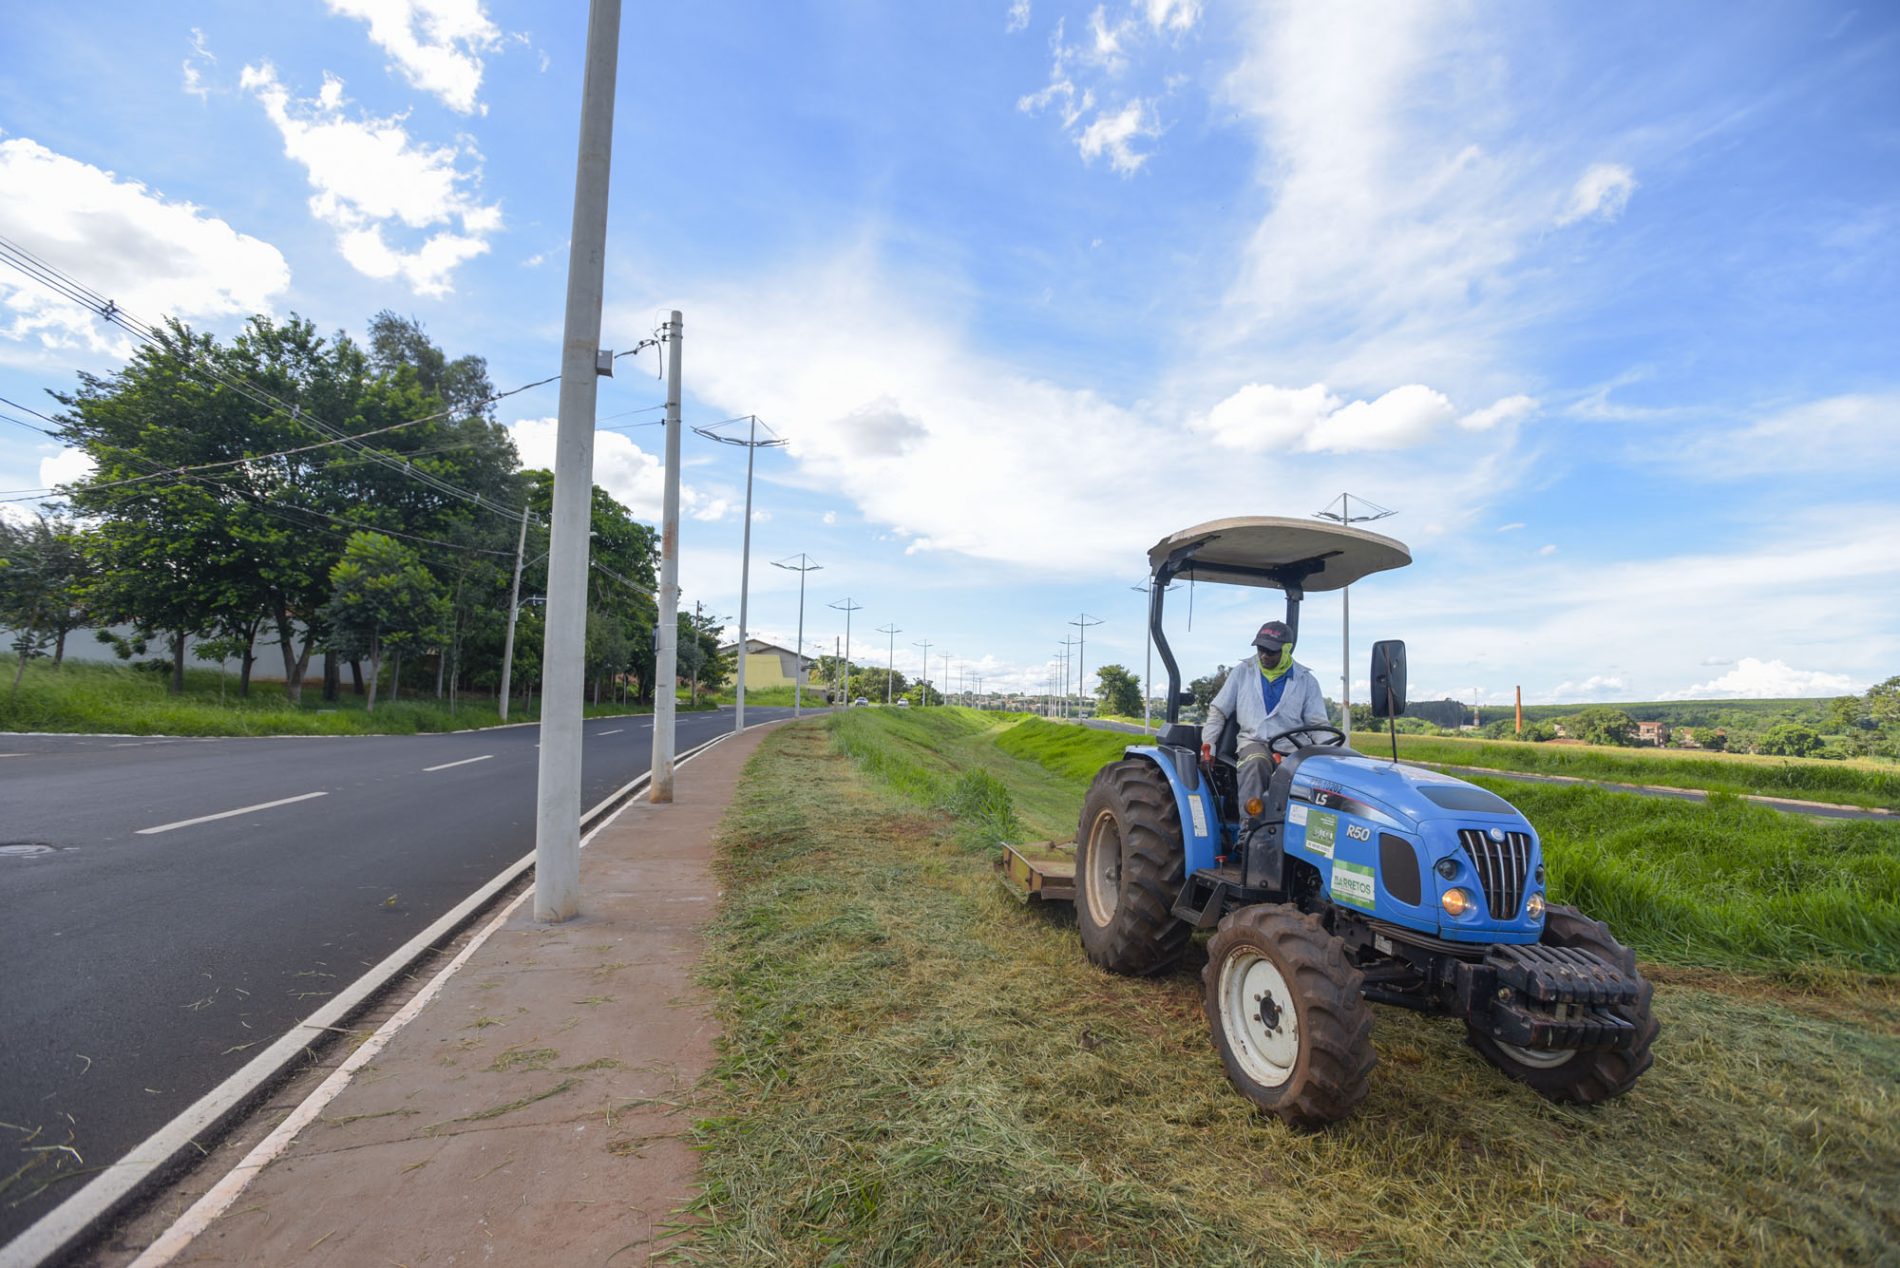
x=1292, y=1029
x=1130, y=863
x=1581, y=1078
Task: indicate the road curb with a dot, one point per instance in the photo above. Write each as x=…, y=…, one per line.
x=152, y=1160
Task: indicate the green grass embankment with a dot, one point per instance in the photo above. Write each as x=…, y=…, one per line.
x=917, y=1069
x=1724, y=884
x=120, y=700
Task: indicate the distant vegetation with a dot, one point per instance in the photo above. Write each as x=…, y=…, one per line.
x=310, y=498
x=128, y=700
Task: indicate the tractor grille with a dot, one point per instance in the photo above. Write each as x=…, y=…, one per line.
x=1503, y=866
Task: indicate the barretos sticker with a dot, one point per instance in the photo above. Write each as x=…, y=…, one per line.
x=1297, y=813
x=1321, y=828
x=1199, y=815
x=1352, y=884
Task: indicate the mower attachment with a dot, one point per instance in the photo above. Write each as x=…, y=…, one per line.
x=1043, y=872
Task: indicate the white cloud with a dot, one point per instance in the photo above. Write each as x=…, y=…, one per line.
x=1853, y=432
x=1105, y=48
x=370, y=178
x=1312, y=420
x=1509, y=410
x=66, y=467
x=829, y=517
x=1546, y=551
x=152, y=256
x=1595, y=687
x=1173, y=15
x=436, y=44
x=636, y=478
x=1512, y=527
x=1754, y=679
x=1116, y=134
x=1018, y=17
x=1602, y=193
x=194, y=78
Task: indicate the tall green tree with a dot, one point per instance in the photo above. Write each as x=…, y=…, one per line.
x=1118, y=691
x=382, y=599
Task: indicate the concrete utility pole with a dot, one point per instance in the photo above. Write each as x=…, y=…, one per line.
x=802, y=567
x=1081, y=656
x=923, y=679
x=1068, y=646
x=847, y=607
x=890, y=670
x=557, y=835
x=751, y=443
x=946, y=670
x=1148, y=640
x=1344, y=516
x=514, y=611
x=666, y=626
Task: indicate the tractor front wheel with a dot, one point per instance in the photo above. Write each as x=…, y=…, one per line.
x=1581, y=1078
x=1130, y=863
x=1283, y=1002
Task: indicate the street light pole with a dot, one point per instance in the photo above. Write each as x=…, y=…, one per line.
x=1082, y=655
x=1148, y=639
x=890, y=671
x=923, y=680
x=802, y=567
x=750, y=443
x=514, y=611
x=1345, y=517
x=1068, y=645
x=847, y=607
x=557, y=846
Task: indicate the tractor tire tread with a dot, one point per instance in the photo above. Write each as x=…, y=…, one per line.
x=1336, y=1023
x=1143, y=937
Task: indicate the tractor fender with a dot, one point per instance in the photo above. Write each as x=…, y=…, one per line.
x=1193, y=804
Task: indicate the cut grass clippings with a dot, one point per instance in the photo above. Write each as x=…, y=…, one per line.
x=916, y=1069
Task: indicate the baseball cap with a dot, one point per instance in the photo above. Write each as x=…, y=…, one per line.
x=1273, y=636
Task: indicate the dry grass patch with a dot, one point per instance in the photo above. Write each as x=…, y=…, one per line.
x=918, y=1070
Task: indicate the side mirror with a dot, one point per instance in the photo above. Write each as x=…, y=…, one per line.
x=1388, y=678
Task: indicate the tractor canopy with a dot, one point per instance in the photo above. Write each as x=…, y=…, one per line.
x=1290, y=555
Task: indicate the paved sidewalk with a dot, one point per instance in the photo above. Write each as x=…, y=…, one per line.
x=535, y=1110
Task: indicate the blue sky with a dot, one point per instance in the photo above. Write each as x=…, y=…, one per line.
x=1601, y=299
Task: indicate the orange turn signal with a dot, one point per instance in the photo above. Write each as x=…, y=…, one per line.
x=1254, y=806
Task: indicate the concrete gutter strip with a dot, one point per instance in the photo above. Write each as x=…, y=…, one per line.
x=117, y=1184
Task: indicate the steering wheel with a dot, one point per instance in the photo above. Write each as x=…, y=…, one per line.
x=1283, y=744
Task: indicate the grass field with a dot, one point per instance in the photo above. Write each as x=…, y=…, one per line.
x=121, y=700
x=916, y=1069
x=1853, y=783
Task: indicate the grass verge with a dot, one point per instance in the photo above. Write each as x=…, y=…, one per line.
x=918, y=1070
x=118, y=699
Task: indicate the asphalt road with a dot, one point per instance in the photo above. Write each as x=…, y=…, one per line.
x=150, y=944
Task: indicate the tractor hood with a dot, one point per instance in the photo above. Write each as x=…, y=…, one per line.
x=1406, y=796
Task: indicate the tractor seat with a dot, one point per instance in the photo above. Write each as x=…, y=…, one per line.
x=1228, y=750
x=1181, y=735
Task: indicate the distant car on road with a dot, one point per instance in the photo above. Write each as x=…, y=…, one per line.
x=860, y=700
x=903, y=704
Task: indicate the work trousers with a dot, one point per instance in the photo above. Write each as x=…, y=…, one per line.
x=1255, y=770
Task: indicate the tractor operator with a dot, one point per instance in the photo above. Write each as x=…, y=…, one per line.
x=1268, y=693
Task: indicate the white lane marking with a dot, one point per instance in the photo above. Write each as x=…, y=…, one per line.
x=226, y=814
x=616, y=731
x=464, y=762
x=221, y=1196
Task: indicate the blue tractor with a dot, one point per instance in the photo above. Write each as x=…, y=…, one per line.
x=1356, y=879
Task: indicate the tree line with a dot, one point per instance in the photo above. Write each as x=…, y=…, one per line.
x=353, y=501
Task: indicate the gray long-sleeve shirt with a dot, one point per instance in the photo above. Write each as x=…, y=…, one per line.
x=1301, y=704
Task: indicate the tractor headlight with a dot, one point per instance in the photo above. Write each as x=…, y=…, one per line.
x=1447, y=868
x=1534, y=906
x=1456, y=902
